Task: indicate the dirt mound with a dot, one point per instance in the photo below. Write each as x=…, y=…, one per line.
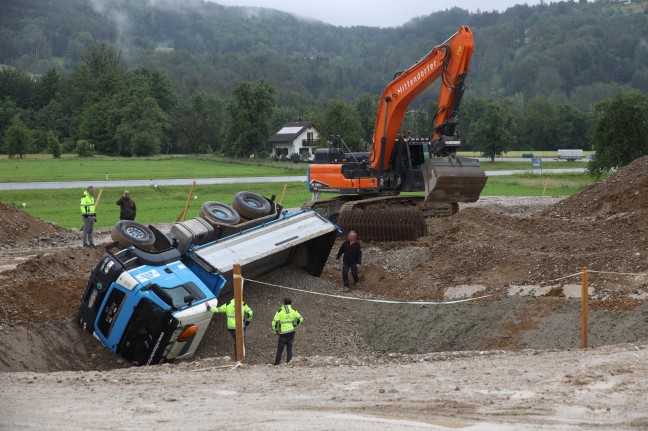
x=17, y=227
x=481, y=250
x=46, y=287
x=626, y=191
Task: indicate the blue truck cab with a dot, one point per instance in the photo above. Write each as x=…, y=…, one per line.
x=149, y=307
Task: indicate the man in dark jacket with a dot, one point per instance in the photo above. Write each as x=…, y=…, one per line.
x=128, y=210
x=352, y=258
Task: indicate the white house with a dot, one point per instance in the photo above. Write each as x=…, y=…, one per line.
x=295, y=137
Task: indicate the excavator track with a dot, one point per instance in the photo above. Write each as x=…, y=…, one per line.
x=383, y=218
x=392, y=218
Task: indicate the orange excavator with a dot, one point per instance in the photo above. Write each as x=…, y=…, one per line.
x=369, y=190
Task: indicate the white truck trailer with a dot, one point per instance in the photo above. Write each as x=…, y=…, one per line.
x=570, y=155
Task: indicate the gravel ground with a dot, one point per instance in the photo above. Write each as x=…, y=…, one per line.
x=507, y=361
x=602, y=388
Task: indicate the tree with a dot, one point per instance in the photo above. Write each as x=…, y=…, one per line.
x=340, y=119
x=17, y=138
x=53, y=145
x=8, y=110
x=545, y=124
x=54, y=118
x=89, y=96
x=493, y=132
x=619, y=132
x=127, y=109
x=100, y=73
x=98, y=124
x=17, y=85
x=366, y=107
x=45, y=89
x=470, y=110
x=142, y=127
x=538, y=123
x=247, y=118
x=199, y=123
x=85, y=149
x=145, y=144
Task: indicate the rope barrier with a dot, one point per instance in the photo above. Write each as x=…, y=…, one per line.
x=382, y=301
x=386, y=301
x=567, y=276
x=238, y=364
x=599, y=272
x=618, y=273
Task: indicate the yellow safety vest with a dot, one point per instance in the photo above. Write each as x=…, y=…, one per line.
x=286, y=319
x=230, y=310
x=87, y=204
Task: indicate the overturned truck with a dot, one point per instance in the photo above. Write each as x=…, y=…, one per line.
x=145, y=299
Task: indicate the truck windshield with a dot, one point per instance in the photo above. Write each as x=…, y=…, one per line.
x=144, y=333
x=179, y=296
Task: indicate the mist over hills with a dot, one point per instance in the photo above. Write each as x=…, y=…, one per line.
x=571, y=51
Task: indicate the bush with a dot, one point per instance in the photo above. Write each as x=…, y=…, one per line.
x=53, y=145
x=295, y=157
x=85, y=148
x=145, y=144
x=68, y=145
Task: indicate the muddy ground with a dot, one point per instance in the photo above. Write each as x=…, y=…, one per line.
x=508, y=360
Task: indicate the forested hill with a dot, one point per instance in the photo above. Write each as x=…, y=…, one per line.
x=570, y=50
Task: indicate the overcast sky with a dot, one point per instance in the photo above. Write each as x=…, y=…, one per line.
x=375, y=13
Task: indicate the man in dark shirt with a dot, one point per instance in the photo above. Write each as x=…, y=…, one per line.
x=128, y=210
x=352, y=258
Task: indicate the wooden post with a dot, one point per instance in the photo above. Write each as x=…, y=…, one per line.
x=584, y=304
x=183, y=214
x=238, y=312
x=545, y=186
x=98, y=198
x=282, y=193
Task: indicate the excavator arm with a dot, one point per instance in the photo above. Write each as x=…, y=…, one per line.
x=451, y=62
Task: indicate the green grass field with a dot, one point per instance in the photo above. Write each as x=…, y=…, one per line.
x=70, y=168
x=164, y=204
x=161, y=206
x=40, y=167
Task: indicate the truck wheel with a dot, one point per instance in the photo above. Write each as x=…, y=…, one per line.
x=127, y=232
x=219, y=213
x=250, y=205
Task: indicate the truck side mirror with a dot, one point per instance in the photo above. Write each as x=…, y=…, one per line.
x=188, y=299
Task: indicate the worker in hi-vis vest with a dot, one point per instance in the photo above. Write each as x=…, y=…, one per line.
x=89, y=217
x=285, y=321
x=230, y=311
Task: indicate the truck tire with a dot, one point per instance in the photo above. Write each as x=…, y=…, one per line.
x=218, y=213
x=127, y=233
x=250, y=205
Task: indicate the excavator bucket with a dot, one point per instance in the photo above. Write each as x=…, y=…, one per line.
x=453, y=179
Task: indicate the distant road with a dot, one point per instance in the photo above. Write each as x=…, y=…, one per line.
x=536, y=171
x=145, y=183
x=205, y=181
